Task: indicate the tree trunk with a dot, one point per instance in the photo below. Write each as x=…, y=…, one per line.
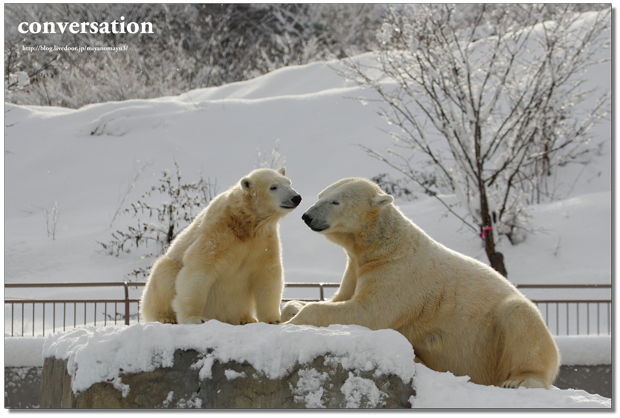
x=495, y=259
x=170, y=235
x=497, y=262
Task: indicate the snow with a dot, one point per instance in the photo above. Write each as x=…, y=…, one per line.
x=273, y=350
x=444, y=390
x=356, y=387
x=589, y=350
x=50, y=159
x=309, y=388
x=592, y=350
x=231, y=374
x=84, y=160
x=98, y=354
x=23, y=351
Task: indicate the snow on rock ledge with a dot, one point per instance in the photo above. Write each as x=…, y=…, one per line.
x=217, y=365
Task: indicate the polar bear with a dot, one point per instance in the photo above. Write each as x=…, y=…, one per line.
x=459, y=314
x=227, y=263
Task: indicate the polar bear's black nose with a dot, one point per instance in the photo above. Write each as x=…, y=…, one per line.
x=306, y=218
x=296, y=200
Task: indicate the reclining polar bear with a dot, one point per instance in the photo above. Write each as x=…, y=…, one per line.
x=459, y=314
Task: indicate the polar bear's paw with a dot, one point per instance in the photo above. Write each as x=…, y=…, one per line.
x=523, y=381
x=193, y=320
x=168, y=320
x=291, y=309
x=247, y=320
x=271, y=319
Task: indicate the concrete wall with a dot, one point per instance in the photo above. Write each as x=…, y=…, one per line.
x=23, y=384
x=22, y=387
x=592, y=379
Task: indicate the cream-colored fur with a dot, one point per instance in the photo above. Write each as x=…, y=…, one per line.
x=459, y=314
x=227, y=263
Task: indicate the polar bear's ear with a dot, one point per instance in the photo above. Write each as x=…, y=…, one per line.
x=382, y=200
x=246, y=183
x=282, y=171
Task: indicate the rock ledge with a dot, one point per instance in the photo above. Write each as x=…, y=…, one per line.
x=320, y=384
x=221, y=366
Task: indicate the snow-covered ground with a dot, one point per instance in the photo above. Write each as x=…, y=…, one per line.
x=85, y=159
x=98, y=354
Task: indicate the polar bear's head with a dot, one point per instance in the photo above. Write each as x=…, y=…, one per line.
x=346, y=206
x=271, y=190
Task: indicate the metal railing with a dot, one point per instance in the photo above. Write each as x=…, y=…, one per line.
x=321, y=286
x=125, y=315
x=557, y=313
x=553, y=315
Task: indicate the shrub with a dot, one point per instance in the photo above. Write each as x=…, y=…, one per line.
x=165, y=219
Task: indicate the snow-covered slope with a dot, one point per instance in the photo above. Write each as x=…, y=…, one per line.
x=84, y=160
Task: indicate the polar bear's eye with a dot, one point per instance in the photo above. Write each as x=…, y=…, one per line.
x=335, y=203
x=273, y=188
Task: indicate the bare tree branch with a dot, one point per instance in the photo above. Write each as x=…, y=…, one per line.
x=501, y=94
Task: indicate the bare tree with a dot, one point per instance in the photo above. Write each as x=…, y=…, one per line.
x=493, y=107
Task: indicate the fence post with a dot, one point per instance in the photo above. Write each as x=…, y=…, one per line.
x=126, y=303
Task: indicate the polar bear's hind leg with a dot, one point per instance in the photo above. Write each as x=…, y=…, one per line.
x=530, y=357
x=523, y=381
x=156, y=303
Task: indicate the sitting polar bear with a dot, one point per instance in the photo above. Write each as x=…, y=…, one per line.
x=459, y=314
x=227, y=263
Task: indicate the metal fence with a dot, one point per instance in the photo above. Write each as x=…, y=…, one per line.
x=40, y=316
x=574, y=316
x=32, y=318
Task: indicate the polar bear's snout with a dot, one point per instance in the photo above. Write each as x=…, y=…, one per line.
x=296, y=200
x=313, y=222
x=292, y=203
x=306, y=218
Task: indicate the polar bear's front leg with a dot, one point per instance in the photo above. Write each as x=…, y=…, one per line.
x=323, y=314
x=346, y=290
x=365, y=309
x=267, y=289
x=192, y=288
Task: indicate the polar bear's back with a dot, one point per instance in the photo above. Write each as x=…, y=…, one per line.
x=435, y=261
x=208, y=217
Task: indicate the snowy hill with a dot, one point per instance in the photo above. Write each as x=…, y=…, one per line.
x=84, y=160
